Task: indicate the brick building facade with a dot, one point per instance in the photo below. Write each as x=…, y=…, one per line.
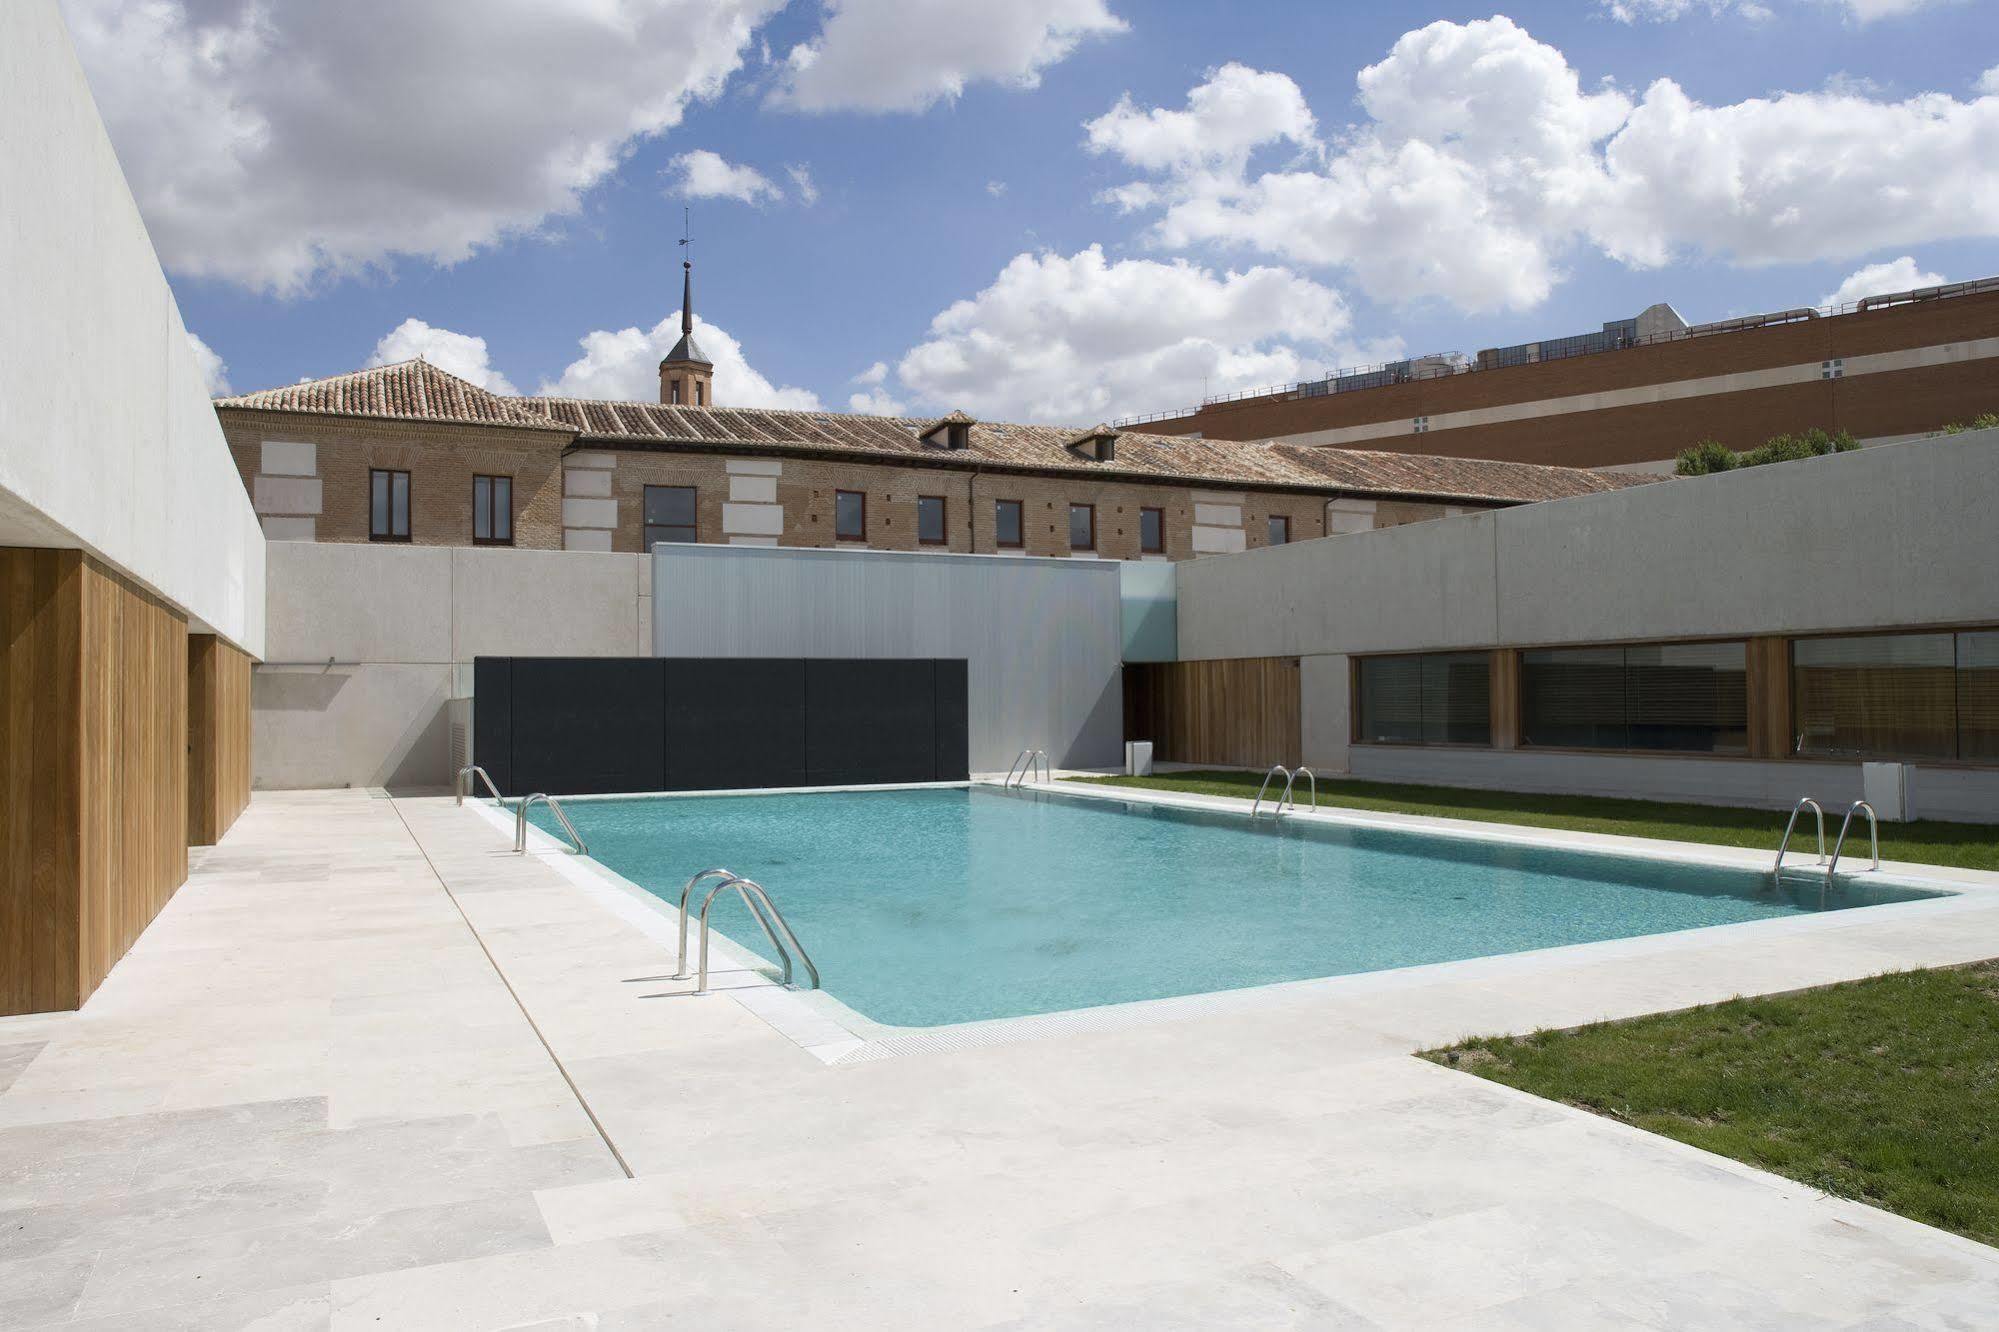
x=410, y=453
x=1891, y=368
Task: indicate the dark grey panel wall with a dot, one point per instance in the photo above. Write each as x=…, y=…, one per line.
x=582, y=726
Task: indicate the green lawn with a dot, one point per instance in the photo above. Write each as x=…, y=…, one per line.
x=1966, y=845
x=1883, y=1090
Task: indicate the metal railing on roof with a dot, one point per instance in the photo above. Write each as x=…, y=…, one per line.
x=1331, y=382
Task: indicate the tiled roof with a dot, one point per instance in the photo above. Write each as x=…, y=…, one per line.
x=1046, y=448
x=406, y=391
x=418, y=391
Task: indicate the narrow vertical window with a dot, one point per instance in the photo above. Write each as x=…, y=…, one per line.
x=1152, y=531
x=492, y=511
x=850, y=515
x=1082, y=527
x=388, y=505
x=930, y=529
x=1280, y=529
x=1008, y=530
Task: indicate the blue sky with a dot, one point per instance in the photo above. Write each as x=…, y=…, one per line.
x=1456, y=235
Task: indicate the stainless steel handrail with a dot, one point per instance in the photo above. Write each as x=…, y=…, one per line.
x=521, y=822
x=1873, y=835
x=717, y=872
x=1028, y=757
x=459, y=785
x=1309, y=776
x=1777, y=867
x=745, y=888
x=1275, y=768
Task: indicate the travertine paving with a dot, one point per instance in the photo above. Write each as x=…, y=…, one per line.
x=310, y=1097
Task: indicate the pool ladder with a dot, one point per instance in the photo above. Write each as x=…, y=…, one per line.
x=1024, y=764
x=462, y=783
x=768, y=918
x=1286, y=797
x=1845, y=825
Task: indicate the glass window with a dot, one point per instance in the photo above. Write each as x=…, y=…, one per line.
x=1688, y=696
x=1280, y=529
x=1152, y=531
x=1691, y=697
x=1889, y=694
x=1978, y=696
x=850, y=515
x=670, y=515
x=388, y=505
x=1436, y=698
x=1082, y=527
x=930, y=519
x=1007, y=524
x=493, y=510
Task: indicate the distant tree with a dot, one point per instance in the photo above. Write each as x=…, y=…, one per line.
x=1989, y=421
x=1708, y=456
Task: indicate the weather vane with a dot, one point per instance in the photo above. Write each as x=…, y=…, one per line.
x=687, y=234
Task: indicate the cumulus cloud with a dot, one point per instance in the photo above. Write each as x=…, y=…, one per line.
x=1079, y=338
x=1988, y=82
x=707, y=175
x=1665, y=11
x=623, y=365
x=873, y=399
x=1484, y=160
x=459, y=354
x=274, y=144
x=214, y=374
x=905, y=55
x=1879, y=279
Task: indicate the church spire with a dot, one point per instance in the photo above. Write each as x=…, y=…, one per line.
x=686, y=377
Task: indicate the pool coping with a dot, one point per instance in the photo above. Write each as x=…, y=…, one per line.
x=836, y=1034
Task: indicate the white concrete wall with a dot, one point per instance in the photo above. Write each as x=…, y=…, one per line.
x=370, y=644
x=1041, y=638
x=1902, y=535
x=107, y=439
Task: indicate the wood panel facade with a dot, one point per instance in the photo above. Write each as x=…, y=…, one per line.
x=218, y=737
x=93, y=772
x=1242, y=712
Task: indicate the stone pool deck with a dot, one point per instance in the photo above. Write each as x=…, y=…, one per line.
x=370, y=1070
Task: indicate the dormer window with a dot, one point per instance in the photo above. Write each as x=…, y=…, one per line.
x=950, y=432
x=1098, y=444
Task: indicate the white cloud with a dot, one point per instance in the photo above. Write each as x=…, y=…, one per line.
x=707, y=175
x=874, y=399
x=1665, y=11
x=1988, y=82
x=274, y=144
x=996, y=188
x=623, y=365
x=801, y=181
x=905, y=55
x=214, y=374
x=1881, y=279
x=1484, y=161
x=459, y=354
x=1077, y=338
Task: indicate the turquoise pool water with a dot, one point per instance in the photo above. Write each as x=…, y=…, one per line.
x=939, y=906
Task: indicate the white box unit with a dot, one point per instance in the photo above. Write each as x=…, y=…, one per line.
x=1886, y=787
x=1138, y=758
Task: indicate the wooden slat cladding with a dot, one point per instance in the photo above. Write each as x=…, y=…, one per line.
x=218, y=737
x=1241, y=712
x=1769, y=692
x=93, y=774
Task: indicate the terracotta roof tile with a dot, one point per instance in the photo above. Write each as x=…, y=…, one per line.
x=405, y=391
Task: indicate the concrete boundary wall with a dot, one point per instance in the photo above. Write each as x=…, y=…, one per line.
x=1905, y=535
x=1041, y=637
x=370, y=648
x=108, y=442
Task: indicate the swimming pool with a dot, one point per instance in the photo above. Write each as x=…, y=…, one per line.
x=928, y=907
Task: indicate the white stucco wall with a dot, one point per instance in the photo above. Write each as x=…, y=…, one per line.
x=369, y=645
x=107, y=439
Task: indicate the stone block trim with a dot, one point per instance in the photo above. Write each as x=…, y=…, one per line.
x=589, y=509
x=753, y=513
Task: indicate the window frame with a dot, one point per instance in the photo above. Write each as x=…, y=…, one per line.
x=409, y=506
x=1270, y=526
x=1622, y=647
x=493, y=510
x=1091, y=510
x=1159, y=517
x=1955, y=632
x=943, y=537
x=1356, y=716
x=1019, y=524
x=862, y=535
x=646, y=540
